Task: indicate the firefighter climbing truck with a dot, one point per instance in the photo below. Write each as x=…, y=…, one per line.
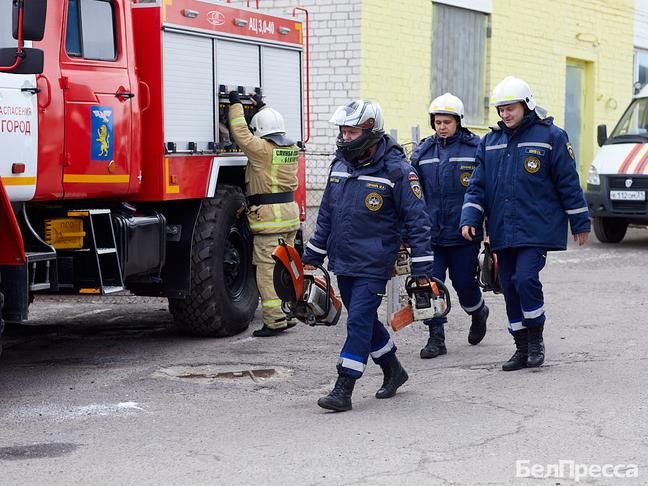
x=117, y=170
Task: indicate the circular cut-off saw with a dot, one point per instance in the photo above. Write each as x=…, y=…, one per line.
x=307, y=298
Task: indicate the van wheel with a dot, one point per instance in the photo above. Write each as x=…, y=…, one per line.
x=610, y=230
x=223, y=295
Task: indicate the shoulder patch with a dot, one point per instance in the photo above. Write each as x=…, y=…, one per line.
x=415, y=184
x=570, y=151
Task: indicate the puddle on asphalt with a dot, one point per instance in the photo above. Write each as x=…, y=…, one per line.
x=36, y=451
x=207, y=374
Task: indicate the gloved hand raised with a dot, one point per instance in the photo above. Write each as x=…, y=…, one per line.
x=234, y=97
x=257, y=99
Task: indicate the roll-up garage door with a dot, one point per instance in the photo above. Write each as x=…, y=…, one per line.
x=237, y=64
x=188, y=90
x=281, y=75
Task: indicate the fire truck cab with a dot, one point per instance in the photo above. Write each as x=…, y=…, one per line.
x=117, y=169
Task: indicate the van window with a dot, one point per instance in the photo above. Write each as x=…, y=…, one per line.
x=634, y=121
x=6, y=38
x=90, y=30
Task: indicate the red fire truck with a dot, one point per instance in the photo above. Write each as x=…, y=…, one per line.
x=117, y=169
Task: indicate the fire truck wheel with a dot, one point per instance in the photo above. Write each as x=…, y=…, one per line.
x=223, y=296
x=609, y=230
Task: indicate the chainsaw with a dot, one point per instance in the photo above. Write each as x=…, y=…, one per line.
x=307, y=298
x=426, y=301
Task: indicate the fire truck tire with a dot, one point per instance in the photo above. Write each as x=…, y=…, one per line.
x=609, y=230
x=224, y=295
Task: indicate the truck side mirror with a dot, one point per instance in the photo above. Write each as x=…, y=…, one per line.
x=33, y=19
x=601, y=134
x=31, y=63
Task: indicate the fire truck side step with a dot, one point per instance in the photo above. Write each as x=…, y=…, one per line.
x=108, y=276
x=40, y=269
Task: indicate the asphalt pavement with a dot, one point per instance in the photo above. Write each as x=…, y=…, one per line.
x=106, y=392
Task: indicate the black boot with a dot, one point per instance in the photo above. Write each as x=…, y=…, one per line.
x=339, y=399
x=519, y=359
x=436, y=343
x=536, y=347
x=478, y=326
x=395, y=376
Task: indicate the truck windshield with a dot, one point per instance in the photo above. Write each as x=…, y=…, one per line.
x=6, y=38
x=634, y=122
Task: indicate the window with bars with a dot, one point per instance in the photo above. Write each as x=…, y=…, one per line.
x=458, y=57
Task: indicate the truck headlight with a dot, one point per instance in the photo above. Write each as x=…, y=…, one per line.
x=593, y=178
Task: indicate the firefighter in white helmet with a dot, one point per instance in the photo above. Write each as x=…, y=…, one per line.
x=445, y=162
x=372, y=193
x=526, y=186
x=271, y=179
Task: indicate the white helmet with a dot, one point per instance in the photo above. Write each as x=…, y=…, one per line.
x=447, y=104
x=266, y=122
x=359, y=113
x=511, y=90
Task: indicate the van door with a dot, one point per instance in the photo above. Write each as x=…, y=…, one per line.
x=98, y=100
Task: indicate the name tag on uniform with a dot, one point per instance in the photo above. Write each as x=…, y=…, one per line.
x=284, y=156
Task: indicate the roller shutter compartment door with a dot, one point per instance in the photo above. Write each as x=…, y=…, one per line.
x=188, y=90
x=237, y=64
x=281, y=84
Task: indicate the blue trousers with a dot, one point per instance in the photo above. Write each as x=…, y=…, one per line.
x=461, y=263
x=519, y=272
x=366, y=335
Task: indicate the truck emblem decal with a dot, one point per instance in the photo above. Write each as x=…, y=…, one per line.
x=101, y=146
x=628, y=183
x=214, y=17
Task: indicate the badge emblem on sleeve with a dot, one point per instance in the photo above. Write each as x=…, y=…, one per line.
x=532, y=164
x=570, y=151
x=415, y=185
x=464, y=178
x=373, y=201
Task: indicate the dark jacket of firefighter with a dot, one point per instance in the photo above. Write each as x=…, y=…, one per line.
x=271, y=169
x=362, y=212
x=527, y=186
x=445, y=166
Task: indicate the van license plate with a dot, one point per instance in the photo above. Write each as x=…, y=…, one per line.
x=628, y=195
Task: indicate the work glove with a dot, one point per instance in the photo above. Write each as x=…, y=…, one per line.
x=258, y=101
x=234, y=97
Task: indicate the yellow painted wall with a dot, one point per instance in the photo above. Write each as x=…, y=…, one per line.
x=532, y=39
x=396, y=46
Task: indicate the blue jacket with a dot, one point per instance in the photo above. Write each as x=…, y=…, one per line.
x=362, y=212
x=527, y=187
x=445, y=167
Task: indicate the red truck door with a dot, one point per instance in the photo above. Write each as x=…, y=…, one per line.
x=98, y=100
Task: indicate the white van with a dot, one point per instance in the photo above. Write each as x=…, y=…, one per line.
x=617, y=182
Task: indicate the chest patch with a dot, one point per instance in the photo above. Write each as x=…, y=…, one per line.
x=532, y=164
x=373, y=201
x=464, y=178
x=534, y=151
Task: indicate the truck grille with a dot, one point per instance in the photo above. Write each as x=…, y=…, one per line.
x=618, y=182
x=629, y=207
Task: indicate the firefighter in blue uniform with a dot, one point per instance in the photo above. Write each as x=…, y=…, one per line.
x=372, y=193
x=445, y=163
x=526, y=186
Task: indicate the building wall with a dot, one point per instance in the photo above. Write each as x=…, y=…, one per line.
x=534, y=39
x=395, y=62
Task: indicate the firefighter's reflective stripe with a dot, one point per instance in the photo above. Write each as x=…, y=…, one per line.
x=271, y=303
x=239, y=120
x=276, y=224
